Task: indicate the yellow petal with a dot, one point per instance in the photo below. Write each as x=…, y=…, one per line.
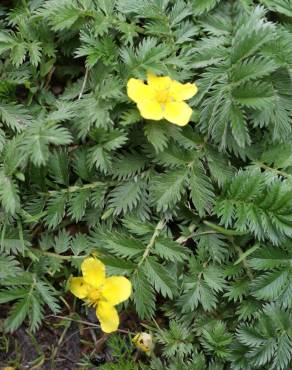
x=180, y=92
x=78, y=287
x=108, y=317
x=178, y=113
x=150, y=109
x=158, y=83
x=93, y=271
x=116, y=289
x=138, y=91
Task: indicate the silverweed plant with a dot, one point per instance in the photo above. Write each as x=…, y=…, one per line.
x=152, y=138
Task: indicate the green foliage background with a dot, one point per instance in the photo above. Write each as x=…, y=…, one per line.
x=199, y=218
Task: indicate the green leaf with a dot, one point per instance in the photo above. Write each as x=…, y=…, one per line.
x=255, y=95
x=62, y=242
x=127, y=165
x=159, y=277
x=9, y=193
x=55, y=209
x=280, y=6
x=118, y=243
x=125, y=197
x=202, y=192
x=15, y=116
x=38, y=137
x=252, y=35
x=170, y=250
x=202, y=6
x=252, y=68
x=239, y=126
x=9, y=266
x=17, y=314
x=34, y=51
x=217, y=340
x=58, y=167
x=77, y=203
x=144, y=297
x=269, y=258
x=167, y=189
x=156, y=134
x=36, y=313
x=271, y=285
x=48, y=295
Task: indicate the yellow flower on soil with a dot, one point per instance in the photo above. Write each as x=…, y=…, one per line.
x=101, y=292
x=162, y=98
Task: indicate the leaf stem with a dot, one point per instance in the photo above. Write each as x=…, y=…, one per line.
x=151, y=243
x=183, y=239
x=83, y=85
x=55, y=255
x=72, y=189
x=271, y=169
x=245, y=264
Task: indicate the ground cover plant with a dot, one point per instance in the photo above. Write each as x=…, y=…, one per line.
x=184, y=197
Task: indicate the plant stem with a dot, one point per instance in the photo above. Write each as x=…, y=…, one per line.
x=271, y=169
x=87, y=323
x=151, y=243
x=183, y=239
x=245, y=265
x=55, y=255
x=83, y=85
x=72, y=189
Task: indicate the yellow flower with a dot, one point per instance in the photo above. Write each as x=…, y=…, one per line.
x=162, y=98
x=101, y=292
x=144, y=342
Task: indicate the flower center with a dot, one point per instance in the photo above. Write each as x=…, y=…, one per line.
x=162, y=96
x=94, y=296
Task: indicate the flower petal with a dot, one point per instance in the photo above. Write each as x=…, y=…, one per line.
x=178, y=113
x=78, y=287
x=108, y=317
x=180, y=92
x=158, y=83
x=116, y=289
x=150, y=109
x=138, y=91
x=93, y=271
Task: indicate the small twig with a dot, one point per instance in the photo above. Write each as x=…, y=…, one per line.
x=87, y=323
x=99, y=344
x=68, y=359
x=56, y=349
x=93, y=336
x=83, y=85
x=74, y=333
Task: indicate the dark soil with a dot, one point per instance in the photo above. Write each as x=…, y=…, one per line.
x=60, y=344
x=57, y=345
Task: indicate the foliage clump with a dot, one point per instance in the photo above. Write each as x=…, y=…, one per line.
x=199, y=218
